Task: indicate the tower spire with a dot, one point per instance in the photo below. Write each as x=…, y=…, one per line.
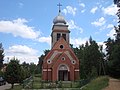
x=59, y=5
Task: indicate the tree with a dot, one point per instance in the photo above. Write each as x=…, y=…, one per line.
x=113, y=49
x=102, y=62
x=32, y=67
x=89, y=56
x=1, y=56
x=114, y=65
x=25, y=70
x=92, y=56
x=13, y=72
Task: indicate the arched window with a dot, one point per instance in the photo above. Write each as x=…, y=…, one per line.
x=64, y=36
x=58, y=36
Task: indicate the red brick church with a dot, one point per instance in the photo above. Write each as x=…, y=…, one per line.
x=60, y=63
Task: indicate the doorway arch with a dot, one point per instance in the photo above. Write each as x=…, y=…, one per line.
x=63, y=73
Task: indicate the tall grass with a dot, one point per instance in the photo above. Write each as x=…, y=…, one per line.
x=97, y=84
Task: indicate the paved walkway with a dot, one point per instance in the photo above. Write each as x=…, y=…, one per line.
x=4, y=87
x=114, y=84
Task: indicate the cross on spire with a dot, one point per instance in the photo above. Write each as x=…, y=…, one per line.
x=59, y=5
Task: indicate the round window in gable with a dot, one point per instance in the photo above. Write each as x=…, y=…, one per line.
x=49, y=61
x=63, y=58
x=61, y=46
x=73, y=62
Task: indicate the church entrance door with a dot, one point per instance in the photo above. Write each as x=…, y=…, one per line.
x=63, y=73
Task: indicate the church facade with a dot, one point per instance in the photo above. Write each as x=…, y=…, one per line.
x=60, y=63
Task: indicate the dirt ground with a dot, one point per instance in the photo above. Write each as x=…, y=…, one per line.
x=114, y=84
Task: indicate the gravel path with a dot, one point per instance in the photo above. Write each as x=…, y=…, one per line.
x=4, y=87
x=114, y=84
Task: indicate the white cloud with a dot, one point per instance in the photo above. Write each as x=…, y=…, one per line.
x=110, y=26
x=18, y=27
x=105, y=27
x=45, y=39
x=27, y=59
x=111, y=33
x=82, y=11
x=100, y=22
x=78, y=41
x=69, y=10
x=93, y=10
x=110, y=10
x=21, y=50
x=72, y=25
x=23, y=53
x=82, y=5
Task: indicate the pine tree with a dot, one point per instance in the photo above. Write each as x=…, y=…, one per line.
x=13, y=72
x=89, y=56
x=113, y=49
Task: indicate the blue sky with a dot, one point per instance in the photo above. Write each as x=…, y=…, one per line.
x=25, y=25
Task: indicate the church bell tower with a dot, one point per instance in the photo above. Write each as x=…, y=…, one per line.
x=59, y=29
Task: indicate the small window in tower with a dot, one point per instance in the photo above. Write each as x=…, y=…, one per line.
x=64, y=36
x=58, y=36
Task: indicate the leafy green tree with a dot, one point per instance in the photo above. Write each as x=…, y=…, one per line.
x=1, y=55
x=13, y=72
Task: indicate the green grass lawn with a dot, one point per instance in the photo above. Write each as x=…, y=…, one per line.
x=37, y=81
x=16, y=87
x=97, y=84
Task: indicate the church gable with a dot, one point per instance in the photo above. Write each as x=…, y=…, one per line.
x=61, y=44
x=57, y=51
